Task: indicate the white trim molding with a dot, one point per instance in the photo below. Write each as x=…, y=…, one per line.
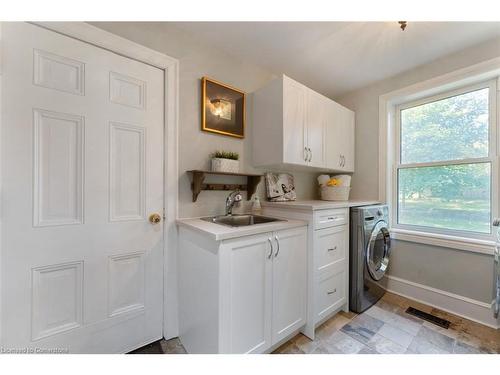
x=442, y=240
x=127, y=48
x=1, y=186
x=481, y=72
x=468, y=308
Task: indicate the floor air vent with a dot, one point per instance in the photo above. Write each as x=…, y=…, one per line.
x=429, y=317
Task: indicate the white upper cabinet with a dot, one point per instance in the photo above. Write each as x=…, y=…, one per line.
x=316, y=127
x=294, y=115
x=296, y=126
x=340, y=138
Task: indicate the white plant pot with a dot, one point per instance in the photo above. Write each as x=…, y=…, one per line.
x=225, y=165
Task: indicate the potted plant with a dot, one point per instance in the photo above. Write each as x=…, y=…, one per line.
x=225, y=161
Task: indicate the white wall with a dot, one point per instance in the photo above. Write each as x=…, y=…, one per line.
x=463, y=273
x=197, y=60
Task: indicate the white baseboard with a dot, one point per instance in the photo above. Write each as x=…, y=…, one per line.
x=468, y=308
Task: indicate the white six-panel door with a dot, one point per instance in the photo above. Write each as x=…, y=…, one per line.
x=82, y=169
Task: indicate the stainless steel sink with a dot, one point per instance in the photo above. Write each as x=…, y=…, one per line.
x=240, y=220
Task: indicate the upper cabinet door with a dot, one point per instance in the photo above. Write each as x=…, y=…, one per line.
x=294, y=116
x=317, y=112
x=289, y=282
x=339, y=138
x=347, y=126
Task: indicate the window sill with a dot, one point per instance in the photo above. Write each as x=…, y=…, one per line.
x=452, y=242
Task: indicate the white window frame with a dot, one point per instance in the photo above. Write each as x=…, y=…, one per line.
x=486, y=71
x=491, y=158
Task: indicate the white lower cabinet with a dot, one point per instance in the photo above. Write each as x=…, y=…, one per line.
x=331, y=245
x=289, y=283
x=250, y=290
x=246, y=295
x=330, y=291
x=328, y=261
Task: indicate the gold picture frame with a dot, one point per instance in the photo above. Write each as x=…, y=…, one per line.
x=223, y=108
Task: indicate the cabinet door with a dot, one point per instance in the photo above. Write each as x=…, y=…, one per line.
x=246, y=297
x=339, y=138
x=333, y=139
x=294, y=131
x=289, y=282
x=317, y=107
x=347, y=131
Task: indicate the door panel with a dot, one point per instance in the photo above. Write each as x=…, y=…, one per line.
x=289, y=282
x=294, y=131
x=58, y=168
x=348, y=136
x=82, y=168
x=333, y=137
x=315, y=124
x=250, y=296
x=340, y=138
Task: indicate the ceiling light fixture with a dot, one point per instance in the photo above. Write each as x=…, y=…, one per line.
x=402, y=24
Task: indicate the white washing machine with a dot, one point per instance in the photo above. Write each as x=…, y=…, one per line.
x=370, y=249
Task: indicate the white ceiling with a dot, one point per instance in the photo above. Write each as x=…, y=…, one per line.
x=337, y=57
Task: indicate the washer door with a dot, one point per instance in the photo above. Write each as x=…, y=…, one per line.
x=378, y=251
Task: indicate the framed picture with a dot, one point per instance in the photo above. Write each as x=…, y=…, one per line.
x=222, y=109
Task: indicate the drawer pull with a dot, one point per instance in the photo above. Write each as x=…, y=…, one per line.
x=333, y=248
x=333, y=291
x=332, y=218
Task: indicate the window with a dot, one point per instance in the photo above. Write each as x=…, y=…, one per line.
x=445, y=158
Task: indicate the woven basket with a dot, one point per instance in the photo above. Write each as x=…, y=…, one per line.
x=335, y=193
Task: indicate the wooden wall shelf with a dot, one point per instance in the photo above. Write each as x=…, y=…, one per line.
x=199, y=177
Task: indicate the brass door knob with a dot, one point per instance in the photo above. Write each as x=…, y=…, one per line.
x=154, y=218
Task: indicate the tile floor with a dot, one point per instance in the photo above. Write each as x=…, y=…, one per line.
x=384, y=328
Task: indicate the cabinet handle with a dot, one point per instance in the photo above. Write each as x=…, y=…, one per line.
x=310, y=155
x=333, y=248
x=277, y=243
x=343, y=161
x=340, y=160
x=305, y=154
x=271, y=245
x=332, y=218
x=333, y=291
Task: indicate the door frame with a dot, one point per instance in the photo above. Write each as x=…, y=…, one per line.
x=103, y=39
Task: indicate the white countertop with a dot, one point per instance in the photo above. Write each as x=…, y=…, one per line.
x=220, y=232
x=318, y=204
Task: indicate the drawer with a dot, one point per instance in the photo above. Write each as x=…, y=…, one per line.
x=330, y=246
x=330, y=293
x=330, y=218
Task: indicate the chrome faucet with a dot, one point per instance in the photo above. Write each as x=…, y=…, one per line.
x=232, y=198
